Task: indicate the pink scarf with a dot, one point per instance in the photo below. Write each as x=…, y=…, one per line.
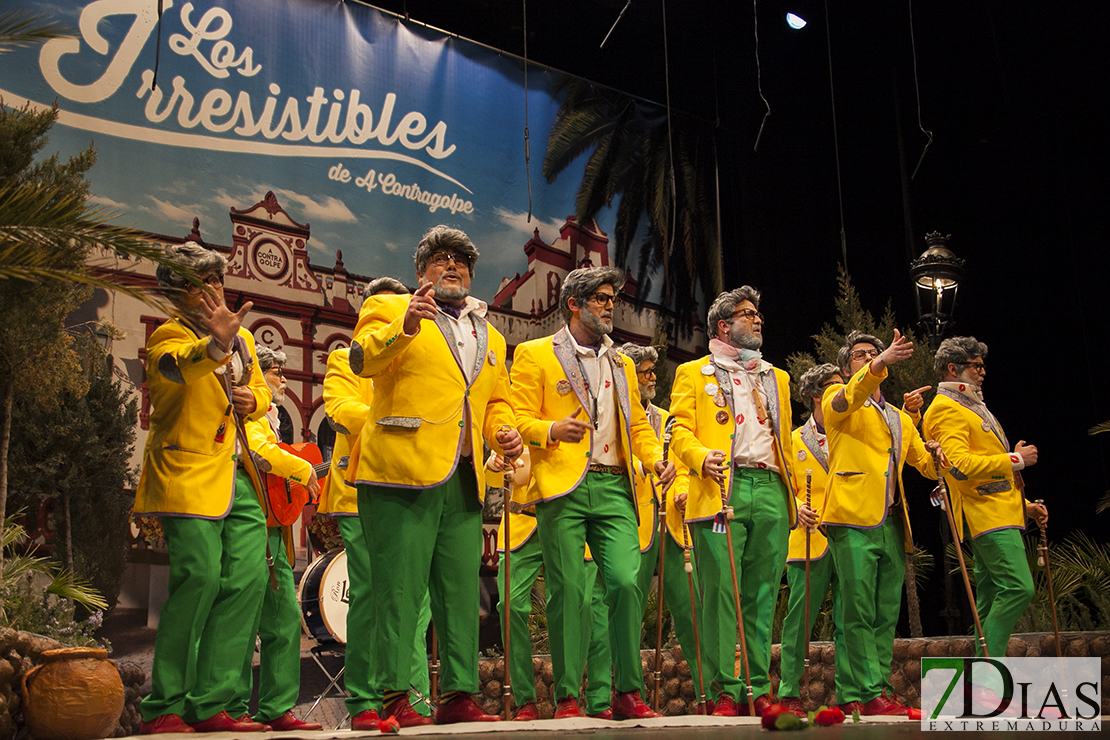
x=748, y=359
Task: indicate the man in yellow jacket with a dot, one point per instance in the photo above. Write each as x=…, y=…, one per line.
x=278, y=622
x=440, y=387
x=810, y=462
x=732, y=410
x=866, y=516
x=577, y=404
x=988, y=502
x=347, y=405
x=201, y=369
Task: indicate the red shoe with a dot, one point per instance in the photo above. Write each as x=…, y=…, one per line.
x=762, y=703
x=289, y=722
x=246, y=717
x=400, y=710
x=851, y=706
x=790, y=704
x=567, y=708
x=367, y=719
x=163, y=724
x=726, y=707
x=224, y=722
x=911, y=712
x=603, y=714
x=883, y=706
x=528, y=713
x=629, y=705
x=462, y=709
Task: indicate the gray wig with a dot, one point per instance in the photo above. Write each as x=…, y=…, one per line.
x=189, y=255
x=638, y=353
x=444, y=239
x=844, y=356
x=582, y=283
x=384, y=285
x=809, y=387
x=725, y=305
x=959, y=350
x=268, y=358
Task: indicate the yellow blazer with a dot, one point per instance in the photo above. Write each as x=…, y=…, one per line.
x=646, y=501
x=422, y=400
x=698, y=429
x=347, y=406
x=981, y=481
x=187, y=470
x=809, y=454
x=559, y=467
x=860, y=449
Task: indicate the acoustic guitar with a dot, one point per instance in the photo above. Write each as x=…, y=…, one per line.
x=288, y=498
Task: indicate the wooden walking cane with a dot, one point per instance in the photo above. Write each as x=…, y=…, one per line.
x=726, y=516
x=946, y=502
x=809, y=505
x=507, y=683
x=688, y=566
x=1042, y=560
x=433, y=671
x=659, y=592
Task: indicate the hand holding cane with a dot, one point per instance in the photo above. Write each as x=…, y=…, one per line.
x=659, y=593
x=688, y=566
x=946, y=503
x=506, y=683
x=725, y=518
x=809, y=505
x=1042, y=560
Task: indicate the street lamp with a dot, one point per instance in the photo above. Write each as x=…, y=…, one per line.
x=936, y=276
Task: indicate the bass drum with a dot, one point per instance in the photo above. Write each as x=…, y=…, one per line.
x=323, y=596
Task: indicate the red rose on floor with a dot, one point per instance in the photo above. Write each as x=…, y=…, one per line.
x=389, y=726
x=770, y=714
x=829, y=716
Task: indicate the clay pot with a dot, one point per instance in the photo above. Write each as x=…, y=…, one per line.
x=76, y=694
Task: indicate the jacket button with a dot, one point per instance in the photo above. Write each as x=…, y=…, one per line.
x=460, y=422
x=886, y=472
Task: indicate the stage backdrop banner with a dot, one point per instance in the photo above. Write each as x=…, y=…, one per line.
x=366, y=127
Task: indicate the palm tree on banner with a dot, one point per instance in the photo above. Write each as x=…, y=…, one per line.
x=630, y=157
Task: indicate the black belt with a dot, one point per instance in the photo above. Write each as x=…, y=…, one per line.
x=612, y=469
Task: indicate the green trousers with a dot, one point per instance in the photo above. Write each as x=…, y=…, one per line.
x=217, y=579
x=872, y=565
x=526, y=563
x=599, y=654
x=1003, y=586
x=278, y=625
x=760, y=533
x=822, y=576
x=357, y=657
x=676, y=595
x=422, y=542
x=599, y=512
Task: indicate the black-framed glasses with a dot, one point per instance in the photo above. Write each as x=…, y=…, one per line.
x=747, y=313
x=279, y=371
x=440, y=259
x=863, y=354
x=976, y=365
x=647, y=372
x=212, y=281
x=602, y=299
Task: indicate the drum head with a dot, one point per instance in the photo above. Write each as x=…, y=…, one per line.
x=324, y=593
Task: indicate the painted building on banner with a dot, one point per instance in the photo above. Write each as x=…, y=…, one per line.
x=306, y=310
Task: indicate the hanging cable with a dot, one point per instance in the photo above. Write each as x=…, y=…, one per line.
x=670, y=156
x=759, y=78
x=836, y=144
x=157, y=48
x=613, y=27
x=527, y=154
x=917, y=92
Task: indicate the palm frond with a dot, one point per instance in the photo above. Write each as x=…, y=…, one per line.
x=68, y=585
x=1099, y=428
x=18, y=28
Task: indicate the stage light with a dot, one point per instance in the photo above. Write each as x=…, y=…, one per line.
x=795, y=21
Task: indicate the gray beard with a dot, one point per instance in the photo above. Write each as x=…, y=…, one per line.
x=447, y=295
x=595, y=324
x=747, y=340
x=645, y=397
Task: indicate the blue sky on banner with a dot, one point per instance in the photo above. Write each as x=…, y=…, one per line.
x=370, y=129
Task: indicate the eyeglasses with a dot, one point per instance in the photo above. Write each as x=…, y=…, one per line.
x=602, y=299
x=212, y=281
x=648, y=372
x=280, y=372
x=836, y=380
x=977, y=365
x=863, y=354
x=747, y=313
x=440, y=259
